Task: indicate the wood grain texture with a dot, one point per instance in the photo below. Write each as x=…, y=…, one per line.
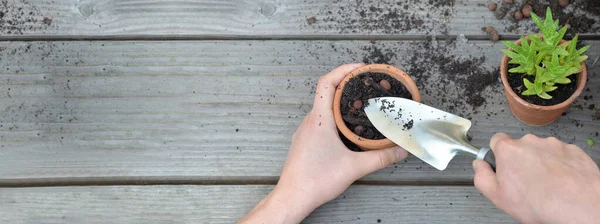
x=204, y=110
x=226, y=204
x=166, y=18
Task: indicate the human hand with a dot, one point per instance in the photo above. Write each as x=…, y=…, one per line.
x=541, y=180
x=319, y=167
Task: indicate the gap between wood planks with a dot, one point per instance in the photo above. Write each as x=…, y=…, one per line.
x=118, y=181
x=256, y=37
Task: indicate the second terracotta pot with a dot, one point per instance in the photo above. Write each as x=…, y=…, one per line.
x=363, y=143
x=536, y=115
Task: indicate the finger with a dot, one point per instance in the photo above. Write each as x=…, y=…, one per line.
x=485, y=180
x=497, y=138
x=327, y=85
x=374, y=160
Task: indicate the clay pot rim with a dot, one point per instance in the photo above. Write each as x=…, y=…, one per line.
x=582, y=78
x=364, y=143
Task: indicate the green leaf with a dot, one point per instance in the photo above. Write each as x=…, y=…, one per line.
x=511, y=54
x=537, y=20
x=549, y=88
x=527, y=83
x=544, y=95
x=590, y=142
x=538, y=87
x=573, y=43
x=565, y=45
x=581, y=59
x=560, y=34
x=512, y=45
x=563, y=81
x=528, y=92
x=572, y=70
x=561, y=51
x=583, y=50
x=517, y=70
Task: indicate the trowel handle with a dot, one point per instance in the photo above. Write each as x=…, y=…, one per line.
x=486, y=154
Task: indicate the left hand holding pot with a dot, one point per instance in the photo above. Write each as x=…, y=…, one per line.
x=318, y=167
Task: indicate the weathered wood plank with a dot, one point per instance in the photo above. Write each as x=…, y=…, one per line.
x=226, y=204
x=203, y=110
x=250, y=17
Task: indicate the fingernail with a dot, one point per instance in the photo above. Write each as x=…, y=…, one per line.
x=474, y=164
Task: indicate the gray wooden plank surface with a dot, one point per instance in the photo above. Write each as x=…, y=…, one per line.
x=226, y=204
x=251, y=17
x=204, y=110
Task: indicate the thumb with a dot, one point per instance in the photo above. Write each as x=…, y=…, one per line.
x=485, y=180
x=374, y=160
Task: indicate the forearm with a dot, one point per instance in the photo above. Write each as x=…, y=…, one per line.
x=280, y=206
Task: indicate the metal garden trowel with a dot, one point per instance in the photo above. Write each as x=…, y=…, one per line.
x=433, y=135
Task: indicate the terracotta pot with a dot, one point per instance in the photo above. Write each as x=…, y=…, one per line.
x=363, y=143
x=536, y=115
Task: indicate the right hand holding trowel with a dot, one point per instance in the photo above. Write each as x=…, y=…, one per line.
x=541, y=180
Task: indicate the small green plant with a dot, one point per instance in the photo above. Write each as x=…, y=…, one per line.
x=544, y=57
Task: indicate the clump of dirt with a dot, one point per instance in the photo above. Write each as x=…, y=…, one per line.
x=491, y=32
x=356, y=94
x=18, y=16
x=386, y=16
x=562, y=93
x=577, y=21
x=47, y=21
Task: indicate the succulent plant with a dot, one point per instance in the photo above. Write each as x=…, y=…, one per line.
x=544, y=57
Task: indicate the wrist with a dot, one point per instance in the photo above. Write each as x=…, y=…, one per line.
x=292, y=204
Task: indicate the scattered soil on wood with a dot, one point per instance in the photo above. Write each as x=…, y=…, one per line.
x=355, y=97
x=575, y=14
x=19, y=16
x=462, y=81
x=376, y=56
x=386, y=16
x=591, y=6
x=515, y=80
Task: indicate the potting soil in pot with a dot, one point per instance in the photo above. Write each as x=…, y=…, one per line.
x=562, y=93
x=356, y=95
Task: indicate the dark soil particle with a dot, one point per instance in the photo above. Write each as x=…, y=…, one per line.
x=559, y=95
x=362, y=88
x=47, y=21
x=408, y=125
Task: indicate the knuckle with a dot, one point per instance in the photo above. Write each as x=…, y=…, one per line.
x=504, y=144
x=553, y=140
x=383, y=160
x=529, y=137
